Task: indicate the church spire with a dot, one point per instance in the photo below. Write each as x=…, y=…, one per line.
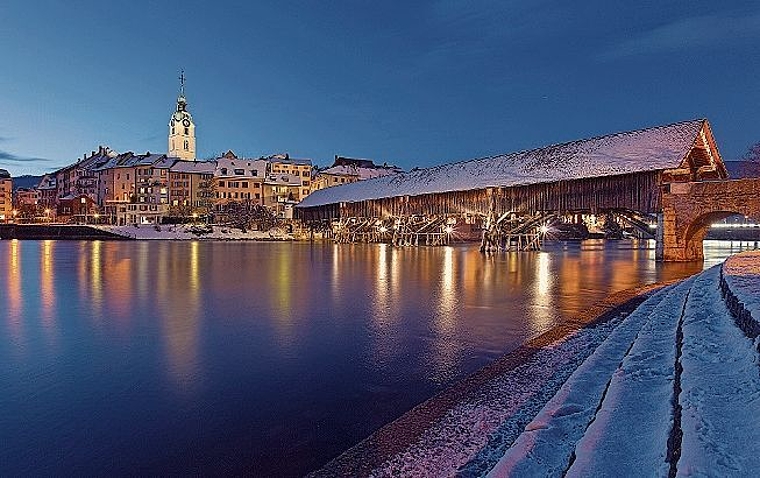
x=182, y=127
x=181, y=101
x=182, y=82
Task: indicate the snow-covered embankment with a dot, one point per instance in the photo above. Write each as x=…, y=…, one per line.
x=683, y=400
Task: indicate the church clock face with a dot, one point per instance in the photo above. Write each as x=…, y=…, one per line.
x=186, y=122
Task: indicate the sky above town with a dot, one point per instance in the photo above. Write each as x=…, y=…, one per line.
x=408, y=83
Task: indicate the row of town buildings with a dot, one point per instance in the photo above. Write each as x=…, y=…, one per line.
x=128, y=188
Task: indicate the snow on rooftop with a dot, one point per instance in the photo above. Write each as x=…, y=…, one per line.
x=362, y=173
x=657, y=148
x=202, y=167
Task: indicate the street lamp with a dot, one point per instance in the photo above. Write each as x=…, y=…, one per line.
x=15, y=213
x=47, y=215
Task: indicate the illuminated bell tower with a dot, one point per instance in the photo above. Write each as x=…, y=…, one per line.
x=181, y=127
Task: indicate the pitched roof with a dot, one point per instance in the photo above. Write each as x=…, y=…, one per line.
x=657, y=148
x=362, y=173
x=197, y=167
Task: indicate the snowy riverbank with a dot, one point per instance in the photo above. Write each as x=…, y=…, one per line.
x=194, y=232
x=667, y=385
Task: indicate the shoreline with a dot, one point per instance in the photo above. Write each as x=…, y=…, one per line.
x=398, y=435
x=173, y=232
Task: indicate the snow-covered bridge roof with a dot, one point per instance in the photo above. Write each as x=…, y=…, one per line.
x=657, y=148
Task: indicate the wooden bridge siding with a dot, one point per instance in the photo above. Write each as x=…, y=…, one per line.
x=639, y=192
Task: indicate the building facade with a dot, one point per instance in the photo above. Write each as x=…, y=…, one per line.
x=6, y=196
x=192, y=188
x=350, y=170
x=239, y=180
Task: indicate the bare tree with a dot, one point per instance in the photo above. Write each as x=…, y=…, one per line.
x=206, y=196
x=247, y=215
x=751, y=161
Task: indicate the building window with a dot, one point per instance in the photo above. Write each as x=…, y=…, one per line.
x=244, y=184
x=187, y=131
x=187, y=145
x=172, y=129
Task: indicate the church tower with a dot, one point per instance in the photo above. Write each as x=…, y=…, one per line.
x=182, y=128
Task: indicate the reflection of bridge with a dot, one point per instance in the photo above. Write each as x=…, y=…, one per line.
x=672, y=175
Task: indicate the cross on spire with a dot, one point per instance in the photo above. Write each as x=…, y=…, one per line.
x=182, y=82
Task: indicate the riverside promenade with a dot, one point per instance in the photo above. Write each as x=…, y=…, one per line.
x=665, y=384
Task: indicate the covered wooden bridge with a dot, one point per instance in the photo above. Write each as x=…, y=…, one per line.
x=509, y=200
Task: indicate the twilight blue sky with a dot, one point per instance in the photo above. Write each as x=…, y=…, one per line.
x=412, y=83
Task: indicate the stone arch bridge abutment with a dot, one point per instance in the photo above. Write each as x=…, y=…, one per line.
x=688, y=209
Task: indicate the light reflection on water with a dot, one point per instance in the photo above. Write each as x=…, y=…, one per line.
x=263, y=358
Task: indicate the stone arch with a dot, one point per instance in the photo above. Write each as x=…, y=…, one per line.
x=697, y=230
x=689, y=210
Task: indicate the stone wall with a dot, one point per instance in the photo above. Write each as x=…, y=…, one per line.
x=688, y=209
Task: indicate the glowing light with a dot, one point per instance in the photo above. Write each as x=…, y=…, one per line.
x=383, y=229
x=731, y=226
x=449, y=229
x=544, y=229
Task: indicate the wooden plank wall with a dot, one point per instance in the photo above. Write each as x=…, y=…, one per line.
x=638, y=192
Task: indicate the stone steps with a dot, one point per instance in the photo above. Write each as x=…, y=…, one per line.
x=673, y=391
x=548, y=443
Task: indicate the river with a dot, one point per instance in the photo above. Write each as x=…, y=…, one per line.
x=268, y=359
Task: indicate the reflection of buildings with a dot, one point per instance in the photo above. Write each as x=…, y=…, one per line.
x=181, y=316
x=13, y=290
x=47, y=293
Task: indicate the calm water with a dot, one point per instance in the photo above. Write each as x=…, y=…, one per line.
x=222, y=357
